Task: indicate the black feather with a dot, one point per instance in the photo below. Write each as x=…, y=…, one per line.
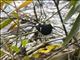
x=45, y=29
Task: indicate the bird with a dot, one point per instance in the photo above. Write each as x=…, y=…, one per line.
x=45, y=29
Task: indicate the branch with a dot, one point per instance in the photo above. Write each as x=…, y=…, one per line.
x=60, y=17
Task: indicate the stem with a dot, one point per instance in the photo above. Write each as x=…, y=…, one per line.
x=34, y=8
x=60, y=17
x=56, y=12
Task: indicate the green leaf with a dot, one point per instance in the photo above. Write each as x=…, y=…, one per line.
x=73, y=2
x=24, y=42
x=15, y=48
x=78, y=7
x=1, y=53
x=26, y=58
x=24, y=4
x=5, y=23
x=73, y=31
x=71, y=12
x=15, y=14
x=36, y=55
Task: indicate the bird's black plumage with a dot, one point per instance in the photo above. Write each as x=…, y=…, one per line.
x=45, y=29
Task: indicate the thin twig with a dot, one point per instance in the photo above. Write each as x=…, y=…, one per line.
x=60, y=17
x=36, y=16
x=56, y=12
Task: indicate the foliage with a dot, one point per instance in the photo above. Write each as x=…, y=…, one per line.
x=15, y=49
x=24, y=42
x=39, y=45
x=49, y=48
x=5, y=23
x=73, y=31
x=1, y=53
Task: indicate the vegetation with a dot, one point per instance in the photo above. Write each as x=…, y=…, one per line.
x=33, y=37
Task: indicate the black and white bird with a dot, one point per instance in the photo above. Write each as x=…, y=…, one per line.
x=45, y=29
